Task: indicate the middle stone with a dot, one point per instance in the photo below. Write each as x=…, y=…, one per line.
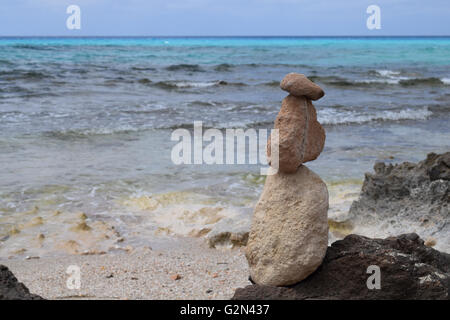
x=301, y=137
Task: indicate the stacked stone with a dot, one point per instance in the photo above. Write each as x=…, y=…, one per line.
x=289, y=234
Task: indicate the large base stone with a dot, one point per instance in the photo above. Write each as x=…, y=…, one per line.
x=289, y=233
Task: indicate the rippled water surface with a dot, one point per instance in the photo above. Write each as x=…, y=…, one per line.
x=85, y=127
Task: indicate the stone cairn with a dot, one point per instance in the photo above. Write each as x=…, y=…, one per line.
x=289, y=234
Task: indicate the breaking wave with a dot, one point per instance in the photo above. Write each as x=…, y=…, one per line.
x=388, y=78
x=168, y=85
x=333, y=116
x=85, y=133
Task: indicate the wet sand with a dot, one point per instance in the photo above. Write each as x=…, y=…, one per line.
x=189, y=271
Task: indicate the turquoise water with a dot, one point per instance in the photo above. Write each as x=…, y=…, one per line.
x=85, y=123
x=325, y=51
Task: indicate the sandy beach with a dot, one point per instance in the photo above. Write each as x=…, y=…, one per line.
x=189, y=271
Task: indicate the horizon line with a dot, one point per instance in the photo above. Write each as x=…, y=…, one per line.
x=224, y=36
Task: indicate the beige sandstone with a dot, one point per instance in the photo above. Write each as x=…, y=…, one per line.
x=289, y=234
x=301, y=137
x=299, y=85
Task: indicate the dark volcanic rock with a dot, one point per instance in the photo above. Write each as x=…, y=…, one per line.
x=406, y=197
x=409, y=270
x=11, y=289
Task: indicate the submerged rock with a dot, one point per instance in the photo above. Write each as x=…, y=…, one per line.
x=11, y=289
x=406, y=197
x=408, y=270
x=230, y=232
x=289, y=233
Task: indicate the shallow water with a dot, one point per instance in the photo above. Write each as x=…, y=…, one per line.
x=85, y=126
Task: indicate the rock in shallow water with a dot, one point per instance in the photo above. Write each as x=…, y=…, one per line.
x=231, y=232
x=409, y=270
x=406, y=197
x=289, y=233
x=301, y=137
x=11, y=289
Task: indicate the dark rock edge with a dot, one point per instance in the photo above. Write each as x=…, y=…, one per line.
x=12, y=289
x=409, y=270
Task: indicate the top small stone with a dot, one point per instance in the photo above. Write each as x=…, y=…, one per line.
x=299, y=85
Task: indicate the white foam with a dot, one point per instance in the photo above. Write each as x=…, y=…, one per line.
x=394, y=227
x=98, y=131
x=388, y=81
x=189, y=84
x=335, y=116
x=387, y=73
x=445, y=80
x=391, y=77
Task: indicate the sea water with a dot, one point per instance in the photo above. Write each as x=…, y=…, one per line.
x=85, y=127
